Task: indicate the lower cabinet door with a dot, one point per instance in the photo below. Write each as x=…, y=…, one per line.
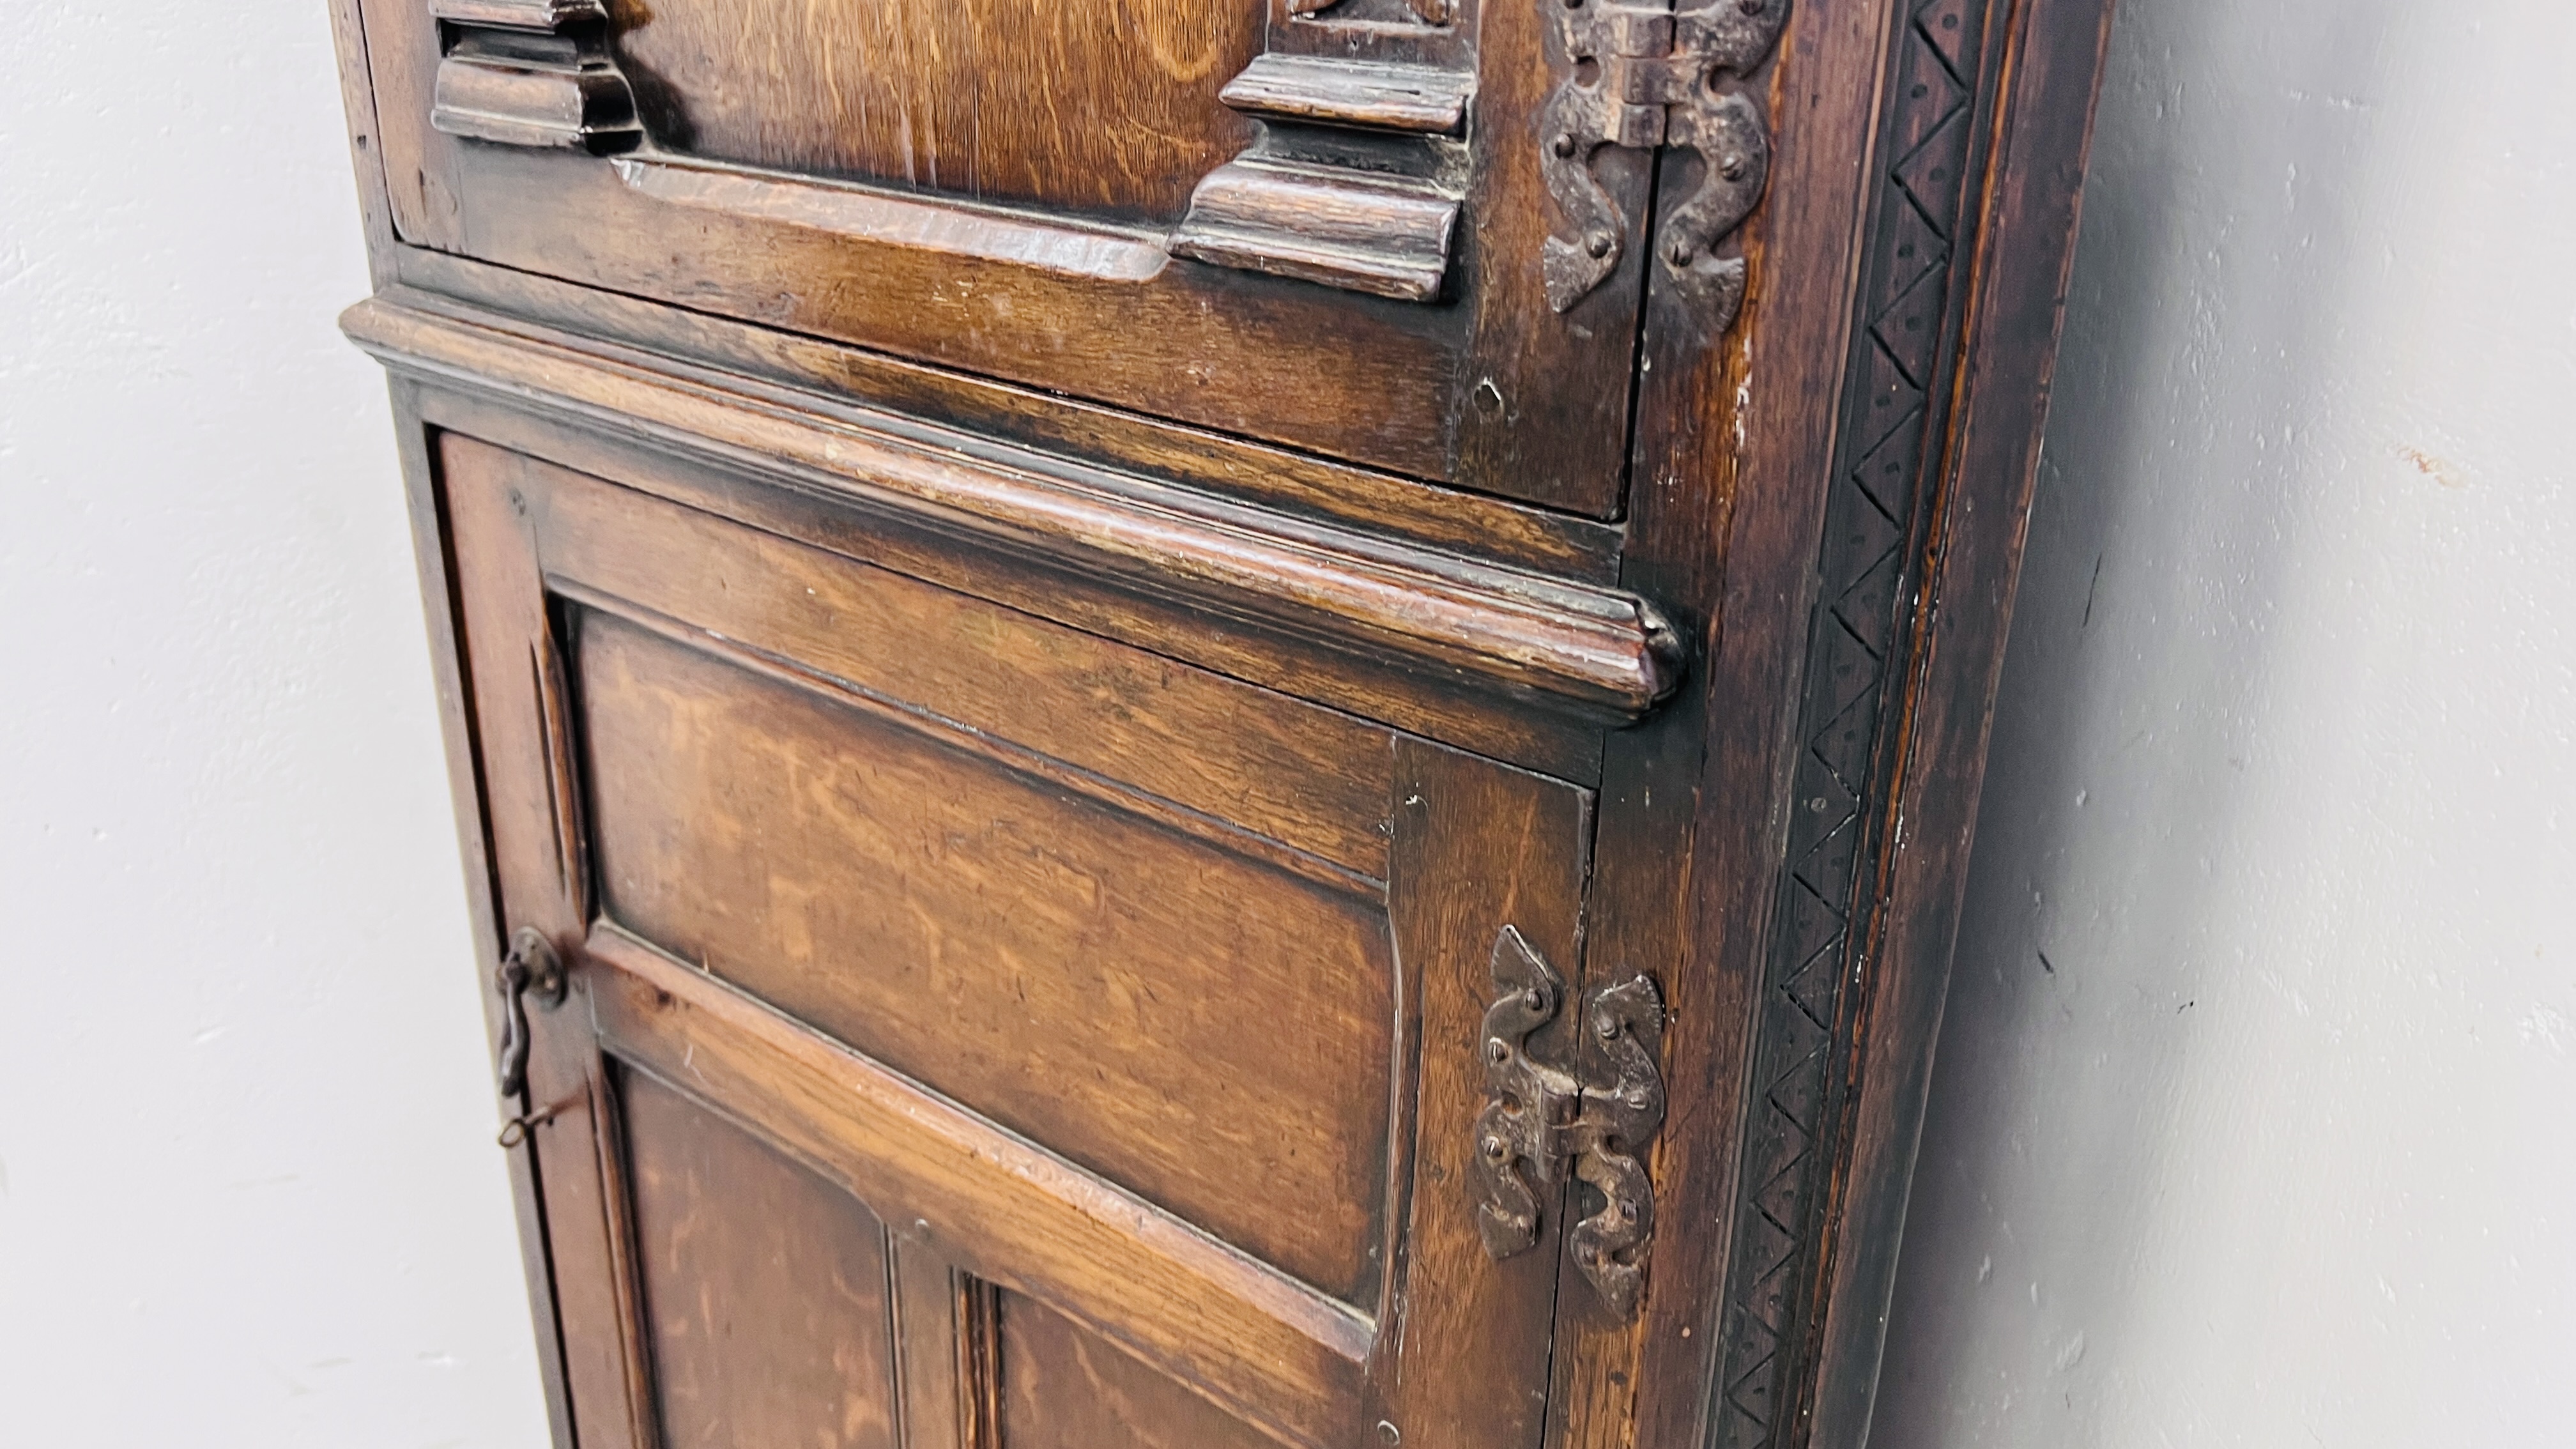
x=944, y=1027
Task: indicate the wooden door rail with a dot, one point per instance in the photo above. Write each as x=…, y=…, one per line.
x=1598, y=653
x=1270, y=1348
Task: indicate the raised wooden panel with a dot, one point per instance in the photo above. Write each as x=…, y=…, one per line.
x=1100, y=106
x=765, y=1288
x=1205, y=1028
x=1061, y=1386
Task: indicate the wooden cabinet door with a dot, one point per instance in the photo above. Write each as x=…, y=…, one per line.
x=973, y=1030
x=1399, y=233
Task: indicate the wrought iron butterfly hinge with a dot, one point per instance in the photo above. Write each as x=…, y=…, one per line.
x=1546, y=1119
x=1644, y=74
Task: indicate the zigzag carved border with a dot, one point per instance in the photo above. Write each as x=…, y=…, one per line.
x=1819, y=965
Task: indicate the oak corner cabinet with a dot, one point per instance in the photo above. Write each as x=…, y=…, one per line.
x=1215, y=724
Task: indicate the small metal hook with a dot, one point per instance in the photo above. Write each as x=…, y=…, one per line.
x=516, y=1130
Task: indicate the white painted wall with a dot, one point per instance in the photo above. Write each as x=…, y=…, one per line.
x=248, y=1192
x=2277, y=1145
x=2277, y=1149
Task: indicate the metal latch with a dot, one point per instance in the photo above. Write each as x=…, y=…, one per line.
x=530, y=969
x=1644, y=74
x=1544, y=1121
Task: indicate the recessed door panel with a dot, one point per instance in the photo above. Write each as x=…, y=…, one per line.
x=764, y=1291
x=1061, y=1386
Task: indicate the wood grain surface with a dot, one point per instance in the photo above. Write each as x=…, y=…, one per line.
x=1105, y=107
x=1549, y=741
x=1025, y=724
x=1064, y=1387
x=1583, y=648
x=1271, y=1349
x=1310, y=779
x=1209, y=1033
x=765, y=1288
x=1450, y=368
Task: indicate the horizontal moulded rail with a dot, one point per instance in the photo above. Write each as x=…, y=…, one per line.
x=1597, y=652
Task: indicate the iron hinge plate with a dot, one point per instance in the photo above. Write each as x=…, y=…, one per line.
x=1546, y=1120
x=1643, y=74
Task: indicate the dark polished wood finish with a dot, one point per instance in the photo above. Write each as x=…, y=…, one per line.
x=1217, y=723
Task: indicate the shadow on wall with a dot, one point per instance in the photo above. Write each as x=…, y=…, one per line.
x=2222, y=240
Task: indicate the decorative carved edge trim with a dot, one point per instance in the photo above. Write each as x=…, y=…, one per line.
x=588, y=109
x=551, y=17
x=1325, y=217
x=531, y=73
x=1383, y=235
x=1428, y=12
x=1820, y=968
x=1324, y=90
x=1596, y=653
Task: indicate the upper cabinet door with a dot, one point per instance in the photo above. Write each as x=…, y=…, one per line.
x=1402, y=233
